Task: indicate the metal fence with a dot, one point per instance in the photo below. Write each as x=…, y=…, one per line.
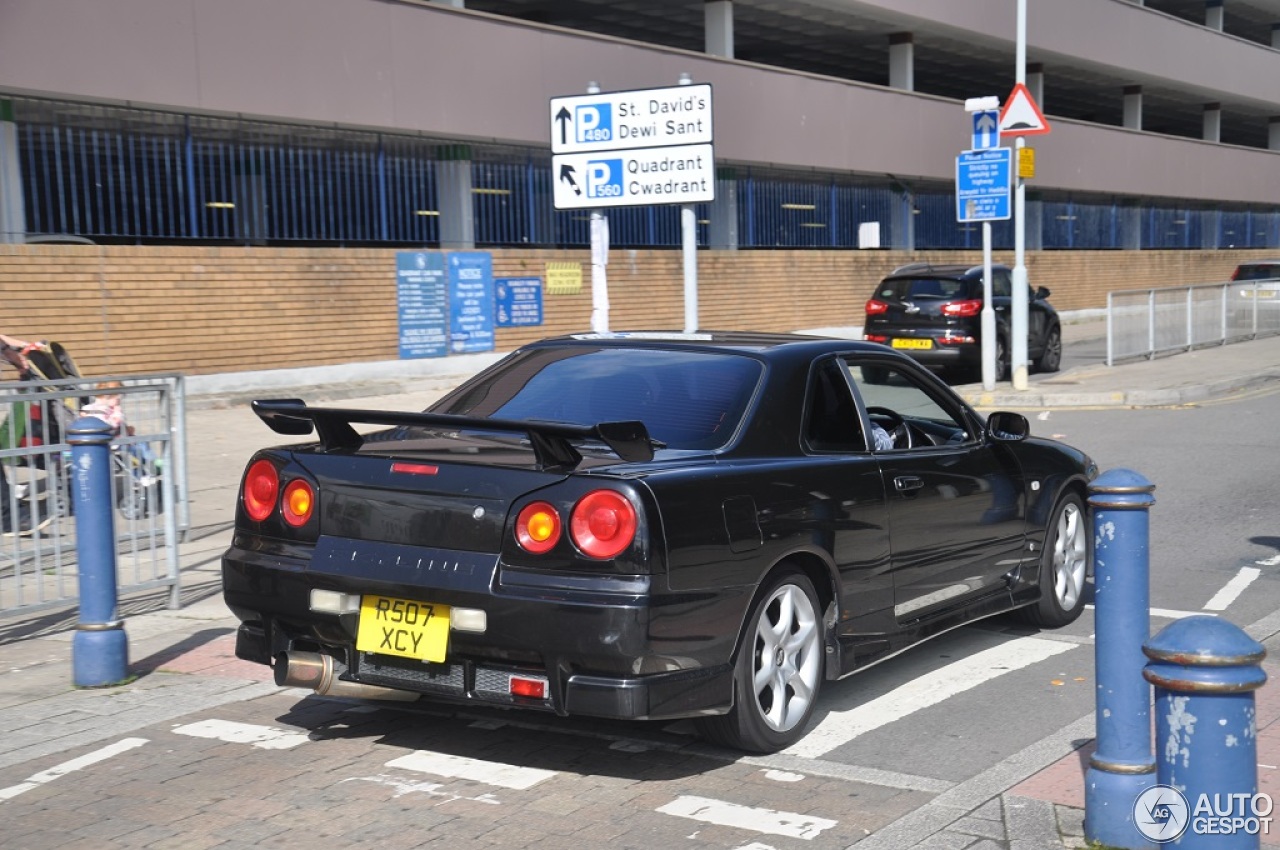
x=38, y=557
x=118, y=174
x=1151, y=322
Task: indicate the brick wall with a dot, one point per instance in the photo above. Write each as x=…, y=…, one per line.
x=130, y=310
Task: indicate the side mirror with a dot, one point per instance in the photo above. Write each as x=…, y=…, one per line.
x=1042, y=292
x=1007, y=427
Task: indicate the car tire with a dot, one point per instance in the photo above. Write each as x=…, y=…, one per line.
x=1051, y=358
x=875, y=374
x=778, y=670
x=1064, y=566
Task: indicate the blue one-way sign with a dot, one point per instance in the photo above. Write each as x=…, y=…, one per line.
x=982, y=185
x=986, y=130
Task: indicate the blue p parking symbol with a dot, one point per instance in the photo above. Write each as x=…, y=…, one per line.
x=593, y=122
x=604, y=178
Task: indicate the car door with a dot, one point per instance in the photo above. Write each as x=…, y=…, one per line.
x=957, y=517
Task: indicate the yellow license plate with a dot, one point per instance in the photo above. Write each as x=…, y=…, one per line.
x=912, y=343
x=1266, y=293
x=403, y=627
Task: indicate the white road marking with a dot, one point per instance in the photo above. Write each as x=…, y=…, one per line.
x=431, y=789
x=488, y=772
x=60, y=770
x=263, y=737
x=768, y=821
x=1170, y=613
x=1232, y=590
x=1273, y=561
x=840, y=727
x=783, y=776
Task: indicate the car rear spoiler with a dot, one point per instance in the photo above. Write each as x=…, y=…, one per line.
x=550, y=440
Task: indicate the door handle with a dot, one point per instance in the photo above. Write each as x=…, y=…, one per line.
x=907, y=483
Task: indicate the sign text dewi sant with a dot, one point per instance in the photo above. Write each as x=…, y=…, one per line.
x=677, y=115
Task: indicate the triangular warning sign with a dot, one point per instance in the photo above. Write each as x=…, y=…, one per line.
x=1021, y=116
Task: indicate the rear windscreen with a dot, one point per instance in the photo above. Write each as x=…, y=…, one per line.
x=911, y=288
x=686, y=399
x=1259, y=272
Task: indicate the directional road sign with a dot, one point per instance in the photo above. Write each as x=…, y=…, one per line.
x=683, y=174
x=986, y=129
x=646, y=118
x=982, y=185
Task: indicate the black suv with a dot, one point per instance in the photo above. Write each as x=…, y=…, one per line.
x=934, y=314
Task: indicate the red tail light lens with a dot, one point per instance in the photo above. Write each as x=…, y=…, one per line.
x=538, y=528
x=299, y=502
x=261, y=487
x=875, y=338
x=875, y=308
x=962, y=308
x=603, y=524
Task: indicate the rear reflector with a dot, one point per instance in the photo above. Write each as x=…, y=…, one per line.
x=414, y=468
x=528, y=686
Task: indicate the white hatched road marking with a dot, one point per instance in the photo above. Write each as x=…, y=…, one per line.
x=488, y=772
x=768, y=821
x=840, y=727
x=263, y=737
x=58, y=771
x=1238, y=584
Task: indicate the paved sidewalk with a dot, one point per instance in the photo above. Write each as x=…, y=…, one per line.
x=184, y=662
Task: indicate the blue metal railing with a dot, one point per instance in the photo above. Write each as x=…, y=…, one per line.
x=116, y=174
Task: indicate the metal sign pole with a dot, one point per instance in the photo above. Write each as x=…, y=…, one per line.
x=599, y=260
x=988, y=314
x=689, y=249
x=1018, y=333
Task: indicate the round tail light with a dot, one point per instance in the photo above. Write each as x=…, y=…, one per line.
x=603, y=524
x=299, y=502
x=261, y=487
x=538, y=528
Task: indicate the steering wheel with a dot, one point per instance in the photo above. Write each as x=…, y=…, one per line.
x=893, y=423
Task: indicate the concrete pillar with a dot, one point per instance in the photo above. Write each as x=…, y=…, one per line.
x=902, y=61
x=1273, y=133
x=1213, y=14
x=13, y=215
x=1130, y=236
x=453, y=196
x=903, y=237
x=717, y=28
x=1033, y=233
x=1035, y=83
x=1133, y=107
x=1212, y=122
x=722, y=233
x=1210, y=225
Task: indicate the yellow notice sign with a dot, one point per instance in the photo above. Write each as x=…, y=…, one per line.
x=1027, y=163
x=564, y=278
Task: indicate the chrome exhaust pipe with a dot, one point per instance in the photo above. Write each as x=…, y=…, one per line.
x=320, y=673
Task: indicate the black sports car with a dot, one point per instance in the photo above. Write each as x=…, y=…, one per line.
x=650, y=525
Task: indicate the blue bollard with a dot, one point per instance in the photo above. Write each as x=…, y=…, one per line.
x=100, y=648
x=1123, y=766
x=1205, y=671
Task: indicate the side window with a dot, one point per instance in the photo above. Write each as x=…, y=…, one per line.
x=1001, y=283
x=832, y=418
x=903, y=408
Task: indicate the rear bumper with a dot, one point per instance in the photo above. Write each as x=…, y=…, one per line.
x=606, y=649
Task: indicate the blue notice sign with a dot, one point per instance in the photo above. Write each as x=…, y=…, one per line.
x=470, y=302
x=982, y=185
x=518, y=302
x=421, y=303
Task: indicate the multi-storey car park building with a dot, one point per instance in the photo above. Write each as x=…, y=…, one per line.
x=341, y=124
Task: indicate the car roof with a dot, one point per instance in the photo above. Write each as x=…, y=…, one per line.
x=769, y=345
x=951, y=270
